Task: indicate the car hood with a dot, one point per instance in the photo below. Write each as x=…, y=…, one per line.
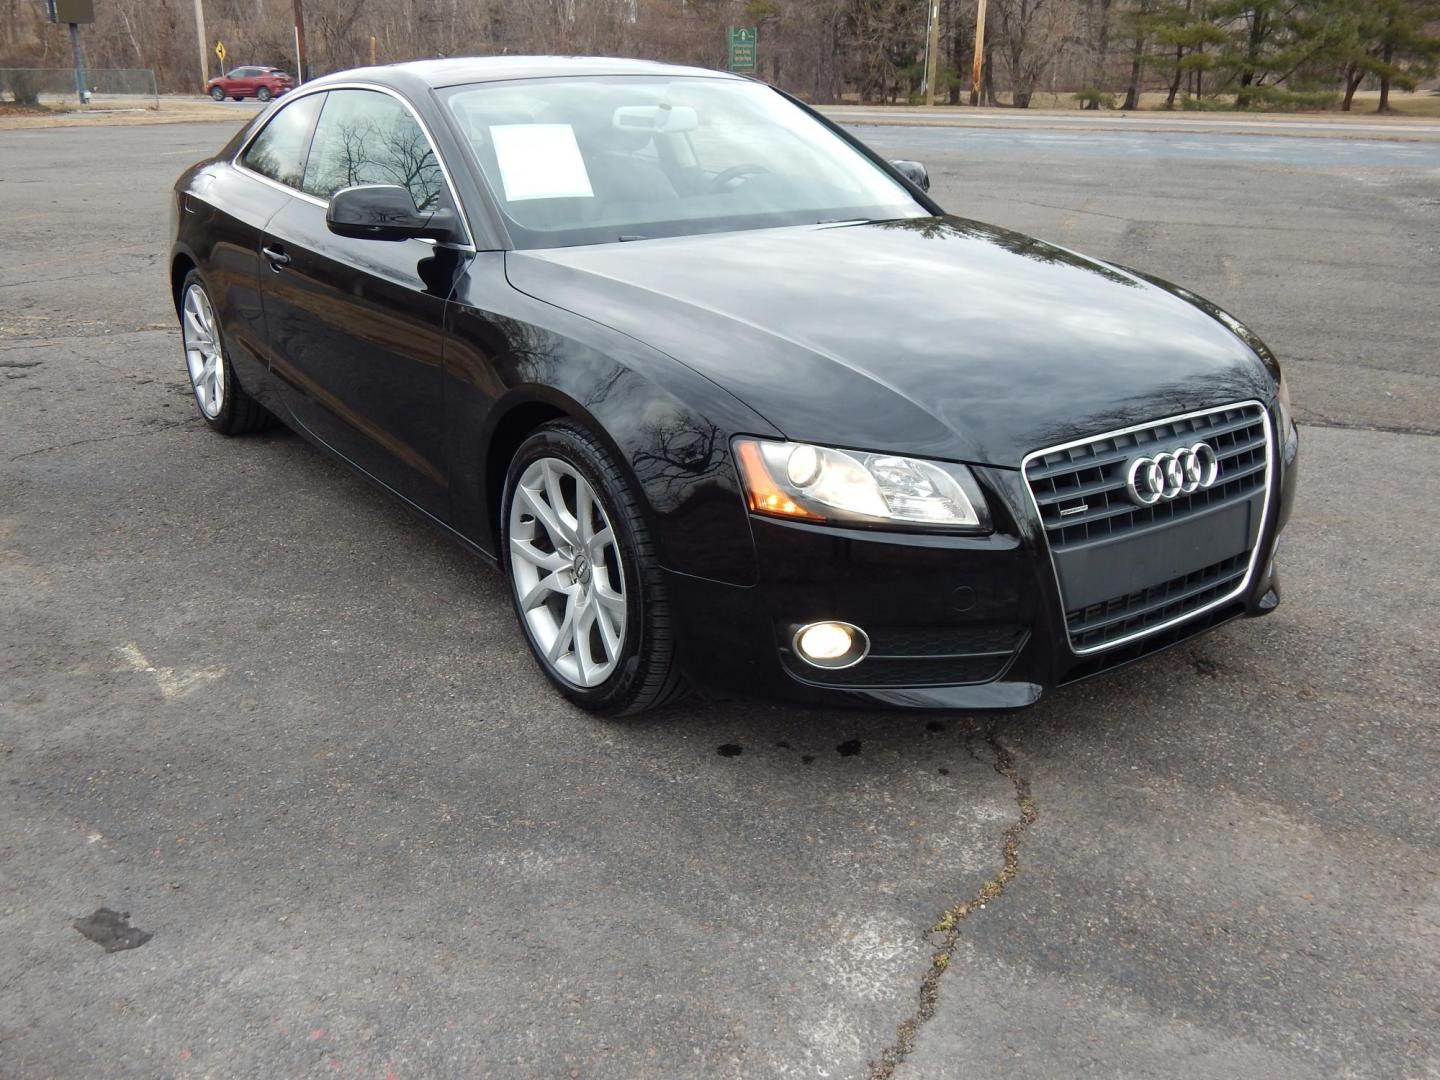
x=938, y=337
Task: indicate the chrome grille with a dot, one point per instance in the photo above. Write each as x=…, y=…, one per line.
x=1092, y=525
x=1080, y=490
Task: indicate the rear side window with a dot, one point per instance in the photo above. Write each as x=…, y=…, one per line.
x=366, y=137
x=279, y=150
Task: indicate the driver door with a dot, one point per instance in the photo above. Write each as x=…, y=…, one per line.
x=356, y=326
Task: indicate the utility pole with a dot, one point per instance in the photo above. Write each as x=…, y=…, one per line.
x=200, y=43
x=977, y=67
x=82, y=81
x=932, y=52
x=299, y=41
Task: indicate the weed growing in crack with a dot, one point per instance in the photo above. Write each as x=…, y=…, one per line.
x=949, y=921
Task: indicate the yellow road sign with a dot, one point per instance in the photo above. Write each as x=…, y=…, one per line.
x=220, y=50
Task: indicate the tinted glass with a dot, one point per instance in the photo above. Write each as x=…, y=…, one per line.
x=279, y=150
x=594, y=160
x=365, y=137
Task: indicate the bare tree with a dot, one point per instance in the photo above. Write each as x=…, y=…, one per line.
x=1030, y=36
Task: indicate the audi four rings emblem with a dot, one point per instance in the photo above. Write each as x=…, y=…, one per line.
x=1172, y=474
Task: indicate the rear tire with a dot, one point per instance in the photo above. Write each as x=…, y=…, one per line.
x=221, y=400
x=581, y=561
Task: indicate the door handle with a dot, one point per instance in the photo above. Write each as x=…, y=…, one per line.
x=277, y=257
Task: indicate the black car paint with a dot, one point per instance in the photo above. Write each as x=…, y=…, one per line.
x=1055, y=345
x=356, y=337
x=423, y=365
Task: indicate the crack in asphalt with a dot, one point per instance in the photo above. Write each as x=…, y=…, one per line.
x=155, y=429
x=1315, y=420
x=1151, y=222
x=949, y=922
x=1358, y=365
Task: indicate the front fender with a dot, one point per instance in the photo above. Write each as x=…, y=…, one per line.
x=512, y=361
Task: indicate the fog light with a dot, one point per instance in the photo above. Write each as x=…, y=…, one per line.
x=831, y=644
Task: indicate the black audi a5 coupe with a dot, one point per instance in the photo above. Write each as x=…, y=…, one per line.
x=726, y=396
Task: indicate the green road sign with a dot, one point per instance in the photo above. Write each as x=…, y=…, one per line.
x=742, y=48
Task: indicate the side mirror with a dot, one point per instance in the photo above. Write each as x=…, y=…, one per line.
x=914, y=172
x=385, y=212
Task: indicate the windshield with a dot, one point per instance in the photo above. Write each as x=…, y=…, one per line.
x=599, y=159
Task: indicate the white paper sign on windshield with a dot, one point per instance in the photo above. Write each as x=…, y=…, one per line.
x=540, y=161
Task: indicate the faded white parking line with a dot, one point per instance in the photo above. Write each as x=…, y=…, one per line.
x=172, y=683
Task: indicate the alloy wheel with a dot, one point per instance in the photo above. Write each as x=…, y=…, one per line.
x=567, y=573
x=202, y=351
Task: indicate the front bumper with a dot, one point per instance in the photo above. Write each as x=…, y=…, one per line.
x=955, y=622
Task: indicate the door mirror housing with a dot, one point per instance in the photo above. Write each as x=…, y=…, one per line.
x=386, y=212
x=914, y=172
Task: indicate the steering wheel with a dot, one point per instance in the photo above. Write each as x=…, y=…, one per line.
x=734, y=172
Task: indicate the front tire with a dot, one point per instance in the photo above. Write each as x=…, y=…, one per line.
x=263, y=93
x=585, y=575
x=222, y=401
x=218, y=94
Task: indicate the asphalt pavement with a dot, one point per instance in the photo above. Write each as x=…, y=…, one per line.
x=292, y=733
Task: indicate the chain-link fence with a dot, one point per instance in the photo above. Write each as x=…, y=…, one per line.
x=108, y=87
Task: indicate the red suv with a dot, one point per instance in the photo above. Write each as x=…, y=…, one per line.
x=261, y=82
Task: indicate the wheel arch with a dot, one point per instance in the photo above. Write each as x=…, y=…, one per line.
x=180, y=265
x=511, y=428
x=678, y=461
x=512, y=420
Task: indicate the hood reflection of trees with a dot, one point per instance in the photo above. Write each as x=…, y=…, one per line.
x=956, y=228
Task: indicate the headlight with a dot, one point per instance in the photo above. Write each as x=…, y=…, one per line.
x=817, y=483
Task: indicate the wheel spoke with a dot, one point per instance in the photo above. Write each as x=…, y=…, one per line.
x=609, y=632
x=198, y=329
x=565, y=636
x=584, y=511
x=545, y=515
x=611, y=601
x=545, y=560
x=557, y=502
x=546, y=585
x=588, y=665
x=600, y=541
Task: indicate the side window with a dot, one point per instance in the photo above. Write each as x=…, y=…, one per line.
x=366, y=137
x=279, y=150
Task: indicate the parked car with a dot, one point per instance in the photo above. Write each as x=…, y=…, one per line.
x=257, y=82
x=727, y=397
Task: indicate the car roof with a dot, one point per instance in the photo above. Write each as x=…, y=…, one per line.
x=459, y=70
